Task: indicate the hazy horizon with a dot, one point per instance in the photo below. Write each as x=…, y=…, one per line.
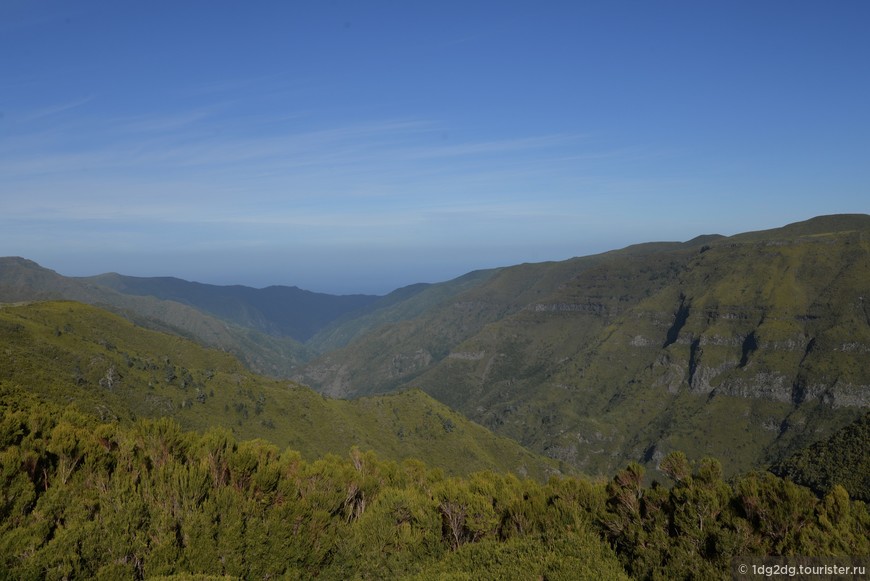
x=360, y=147
x=337, y=283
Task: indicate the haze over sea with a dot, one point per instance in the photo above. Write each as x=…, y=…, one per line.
x=361, y=146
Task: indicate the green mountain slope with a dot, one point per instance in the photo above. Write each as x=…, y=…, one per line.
x=400, y=305
x=744, y=347
x=24, y=280
x=388, y=356
x=73, y=353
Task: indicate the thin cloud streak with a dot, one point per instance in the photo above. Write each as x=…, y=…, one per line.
x=367, y=165
x=49, y=111
x=167, y=123
x=491, y=147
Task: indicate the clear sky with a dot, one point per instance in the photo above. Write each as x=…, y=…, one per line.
x=358, y=146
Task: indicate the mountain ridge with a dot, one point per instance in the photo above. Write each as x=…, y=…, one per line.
x=745, y=346
x=275, y=310
x=25, y=280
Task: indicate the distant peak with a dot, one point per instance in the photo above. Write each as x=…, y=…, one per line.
x=18, y=260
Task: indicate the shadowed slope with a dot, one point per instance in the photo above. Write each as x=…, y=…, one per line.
x=24, y=280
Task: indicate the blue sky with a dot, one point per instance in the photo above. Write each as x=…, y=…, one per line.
x=361, y=146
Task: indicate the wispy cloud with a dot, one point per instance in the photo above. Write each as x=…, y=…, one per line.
x=167, y=123
x=224, y=86
x=490, y=147
x=53, y=110
x=204, y=168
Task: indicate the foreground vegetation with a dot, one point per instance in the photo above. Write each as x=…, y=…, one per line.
x=84, y=499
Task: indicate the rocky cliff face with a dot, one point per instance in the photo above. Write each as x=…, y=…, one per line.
x=740, y=347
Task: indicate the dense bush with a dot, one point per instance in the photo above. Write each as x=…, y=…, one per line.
x=840, y=459
x=83, y=499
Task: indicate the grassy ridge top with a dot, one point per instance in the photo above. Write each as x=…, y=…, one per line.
x=74, y=353
x=819, y=225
